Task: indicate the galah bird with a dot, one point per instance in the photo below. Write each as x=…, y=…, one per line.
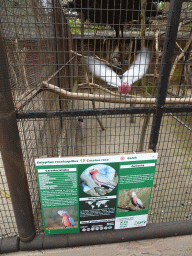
x=136, y=201
x=136, y=71
x=67, y=220
x=101, y=180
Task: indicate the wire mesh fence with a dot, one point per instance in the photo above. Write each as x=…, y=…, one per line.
x=50, y=47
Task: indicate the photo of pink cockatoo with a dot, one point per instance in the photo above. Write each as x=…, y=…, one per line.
x=135, y=72
x=67, y=220
x=136, y=201
x=98, y=180
x=101, y=180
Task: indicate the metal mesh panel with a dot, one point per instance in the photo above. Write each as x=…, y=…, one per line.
x=46, y=46
x=171, y=200
x=7, y=219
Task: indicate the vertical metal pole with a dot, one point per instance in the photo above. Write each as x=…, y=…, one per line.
x=168, y=50
x=63, y=46
x=55, y=14
x=11, y=152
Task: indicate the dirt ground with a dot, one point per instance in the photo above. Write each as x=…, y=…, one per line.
x=171, y=246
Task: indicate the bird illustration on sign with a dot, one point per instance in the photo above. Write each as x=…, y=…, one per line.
x=136, y=201
x=66, y=219
x=98, y=180
x=101, y=180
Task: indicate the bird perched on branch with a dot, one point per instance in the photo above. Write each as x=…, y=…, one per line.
x=136, y=71
x=114, y=13
x=136, y=201
x=67, y=220
x=101, y=180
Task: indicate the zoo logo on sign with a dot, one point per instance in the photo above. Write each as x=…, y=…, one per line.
x=139, y=223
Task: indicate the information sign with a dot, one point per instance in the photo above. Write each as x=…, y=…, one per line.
x=91, y=193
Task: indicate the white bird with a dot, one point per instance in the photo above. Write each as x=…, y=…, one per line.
x=136, y=201
x=136, y=71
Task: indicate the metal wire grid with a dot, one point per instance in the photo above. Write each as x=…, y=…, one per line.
x=34, y=47
x=34, y=52
x=172, y=190
x=171, y=198
x=8, y=225
x=28, y=30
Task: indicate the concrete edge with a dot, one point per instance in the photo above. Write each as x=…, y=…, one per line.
x=40, y=242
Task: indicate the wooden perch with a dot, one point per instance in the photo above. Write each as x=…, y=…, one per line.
x=19, y=58
x=99, y=87
x=22, y=103
x=103, y=98
x=181, y=55
x=53, y=75
x=26, y=97
x=5, y=194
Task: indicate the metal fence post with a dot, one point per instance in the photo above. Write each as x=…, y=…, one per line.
x=168, y=49
x=11, y=152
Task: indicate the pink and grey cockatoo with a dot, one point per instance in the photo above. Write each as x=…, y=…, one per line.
x=67, y=220
x=136, y=71
x=101, y=180
x=136, y=201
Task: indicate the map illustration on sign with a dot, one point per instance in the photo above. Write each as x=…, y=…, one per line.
x=97, y=203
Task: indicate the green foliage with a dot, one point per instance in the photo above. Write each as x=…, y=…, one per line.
x=75, y=26
x=151, y=89
x=188, y=118
x=177, y=73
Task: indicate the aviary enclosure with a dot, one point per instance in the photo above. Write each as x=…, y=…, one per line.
x=63, y=107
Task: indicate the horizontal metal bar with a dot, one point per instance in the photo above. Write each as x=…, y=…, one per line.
x=105, y=112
